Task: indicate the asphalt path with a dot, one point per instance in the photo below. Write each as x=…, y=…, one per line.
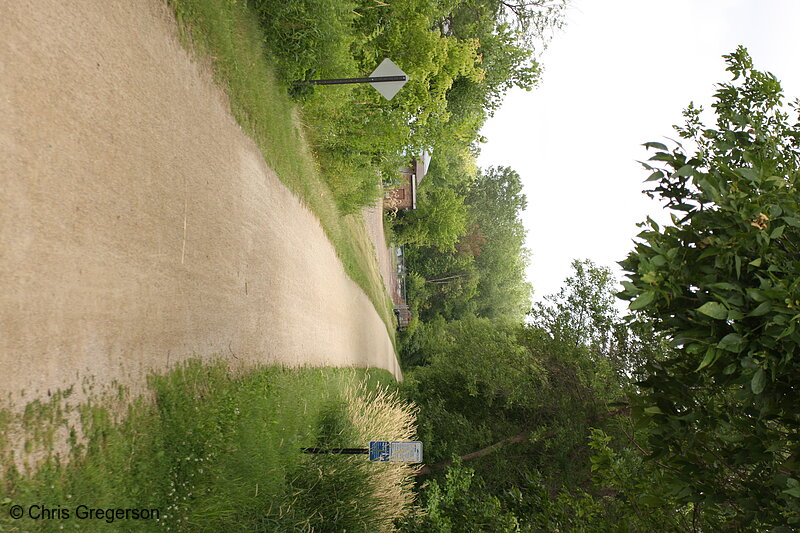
x=139, y=226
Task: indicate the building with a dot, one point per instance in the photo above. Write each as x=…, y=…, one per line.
x=402, y=194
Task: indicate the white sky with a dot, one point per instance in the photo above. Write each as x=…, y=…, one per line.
x=619, y=75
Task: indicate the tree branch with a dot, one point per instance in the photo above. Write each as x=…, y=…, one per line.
x=444, y=279
x=429, y=469
x=521, y=437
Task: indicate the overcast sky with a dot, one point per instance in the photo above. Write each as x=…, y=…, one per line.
x=619, y=75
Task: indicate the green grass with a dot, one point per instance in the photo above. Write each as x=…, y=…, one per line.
x=228, y=33
x=215, y=451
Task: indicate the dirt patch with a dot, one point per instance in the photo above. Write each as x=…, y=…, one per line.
x=140, y=226
x=373, y=219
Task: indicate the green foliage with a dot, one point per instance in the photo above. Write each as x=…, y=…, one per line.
x=449, y=290
x=356, y=134
x=483, y=273
x=454, y=166
x=496, y=202
x=583, y=312
x=457, y=504
x=467, y=381
x=461, y=58
x=634, y=491
x=539, y=410
x=313, y=36
x=213, y=452
x=439, y=220
x=486, y=381
x=506, y=62
x=530, y=19
x=723, y=282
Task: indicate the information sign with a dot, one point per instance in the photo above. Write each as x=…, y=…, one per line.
x=395, y=451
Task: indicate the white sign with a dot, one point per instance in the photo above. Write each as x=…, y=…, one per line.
x=388, y=88
x=395, y=451
x=405, y=452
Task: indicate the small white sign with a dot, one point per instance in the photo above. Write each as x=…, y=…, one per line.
x=405, y=452
x=388, y=88
x=395, y=452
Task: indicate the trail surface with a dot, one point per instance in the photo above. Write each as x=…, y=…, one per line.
x=139, y=226
x=373, y=220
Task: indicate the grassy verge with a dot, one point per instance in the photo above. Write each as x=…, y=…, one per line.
x=213, y=451
x=228, y=33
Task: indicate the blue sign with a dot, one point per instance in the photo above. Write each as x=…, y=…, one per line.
x=379, y=450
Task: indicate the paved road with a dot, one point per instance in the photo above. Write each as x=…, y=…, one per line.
x=139, y=226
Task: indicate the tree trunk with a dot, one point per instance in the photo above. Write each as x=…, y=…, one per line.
x=444, y=279
x=521, y=437
x=429, y=469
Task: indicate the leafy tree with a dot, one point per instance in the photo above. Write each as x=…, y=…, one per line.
x=506, y=60
x=491, y=384
x=632, y=490
x=418, y=117
x=723, y=282
x=453, y=165
x=495, y=201
x=439, y=220
x=461, y=57
x=583, y=312
x=535, y=412
x=483, y=272
x=446, y=278
x=447, y=282
x=531, y=18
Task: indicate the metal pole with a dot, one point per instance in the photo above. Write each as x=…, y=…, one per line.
x=350, y=451
x=342, y=81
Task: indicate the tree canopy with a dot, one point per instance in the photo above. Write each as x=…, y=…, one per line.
x=722, y=411
x=482, y=270
x=496, y=203
x=683, y=416
x=461, y=57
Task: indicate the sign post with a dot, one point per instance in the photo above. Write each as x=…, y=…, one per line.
x=387, y=79
x=380, y=451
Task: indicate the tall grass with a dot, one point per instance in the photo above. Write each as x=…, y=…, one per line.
x=220, y=451
x=347, y=493
x=379, y=412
